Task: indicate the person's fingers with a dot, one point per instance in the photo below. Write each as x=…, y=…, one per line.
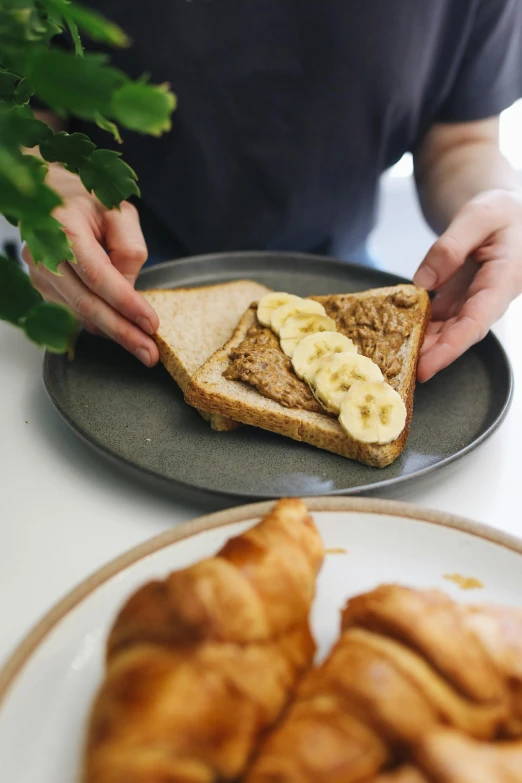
x=433, y=333
x=472, y=227
x=91, y=309
x=95, y=311
x=472, y=324
x=93, y=266
x=450, y=298
x=449, y=345
x=429, y=342
x=92, y=329
x=124, y=240
x=95, y=269
x=43, y=286
x=434, y=327
x=50, y=294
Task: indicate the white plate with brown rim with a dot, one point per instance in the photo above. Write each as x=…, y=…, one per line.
x=48, y=684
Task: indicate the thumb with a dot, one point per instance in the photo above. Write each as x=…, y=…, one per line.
x=124, y=240
x=476, y=222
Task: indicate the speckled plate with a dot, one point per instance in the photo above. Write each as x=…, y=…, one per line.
x=138, y=418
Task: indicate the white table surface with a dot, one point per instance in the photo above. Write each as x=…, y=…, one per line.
x=64, y=511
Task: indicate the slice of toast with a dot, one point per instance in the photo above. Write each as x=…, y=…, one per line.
x=195, y=322
x=210, y=390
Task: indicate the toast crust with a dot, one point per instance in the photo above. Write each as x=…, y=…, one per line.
x=182, y=377
x=171, y=354
x=208, y=389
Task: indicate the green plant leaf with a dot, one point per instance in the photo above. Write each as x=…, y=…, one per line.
x=37, y=166
x=17, y=295
x=18, y=4
x=12, y=220
x=106, y=125
x=75, y=35
x=96, y=26
x=47, y=243
x=55, y=22
x=71, y=148
x=34, y=207
x=24, y=25
x=82, y=86
x=109, y=177
x=15, y=172
x=142, y=107
x=23, y=92
x=8, y=82
x=21, y=22
x=23, y=193
x=51, y=325
x=13, y=54
x=19, y=127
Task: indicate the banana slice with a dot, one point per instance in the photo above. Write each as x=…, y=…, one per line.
x=338, y=373
x=299, y=326
x=373, y=412
x=314, y=349
x=286, y=311
x=270, y=302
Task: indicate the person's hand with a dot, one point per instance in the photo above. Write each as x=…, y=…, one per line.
x=99, y=288
x=476, y=269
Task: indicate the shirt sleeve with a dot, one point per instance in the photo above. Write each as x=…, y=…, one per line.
x=489, y=78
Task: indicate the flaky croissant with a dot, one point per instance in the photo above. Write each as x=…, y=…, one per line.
x=201, y=664
x=499, y=630
x=404, y=774
x=407, y=662
x=448, y=756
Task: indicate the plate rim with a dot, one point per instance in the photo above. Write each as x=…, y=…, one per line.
x=30, y=643
x=261, y=256
x=227, y=495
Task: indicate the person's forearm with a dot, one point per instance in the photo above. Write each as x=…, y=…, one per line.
x=448, y=181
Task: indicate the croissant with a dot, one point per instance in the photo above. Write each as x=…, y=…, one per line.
x=406, y=662
x=499, y=630
x=447, y=756
x=406, y=774
x=201, y=664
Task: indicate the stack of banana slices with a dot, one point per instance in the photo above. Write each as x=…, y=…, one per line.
x=347, y=384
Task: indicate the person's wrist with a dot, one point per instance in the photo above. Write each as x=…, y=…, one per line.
x=65, y=183
x=514, y=191
x=57, y=177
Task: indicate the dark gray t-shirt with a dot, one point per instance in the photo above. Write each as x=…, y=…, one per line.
x=290, y=110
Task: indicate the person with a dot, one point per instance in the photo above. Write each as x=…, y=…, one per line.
x=288, y=113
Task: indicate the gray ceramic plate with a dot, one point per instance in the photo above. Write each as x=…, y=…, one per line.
x=138, y=418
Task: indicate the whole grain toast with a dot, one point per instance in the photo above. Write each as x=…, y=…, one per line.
x=210, y=390
x=194, y=323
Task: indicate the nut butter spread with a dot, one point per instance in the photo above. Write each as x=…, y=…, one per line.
x=378, y=325
x=259, y=360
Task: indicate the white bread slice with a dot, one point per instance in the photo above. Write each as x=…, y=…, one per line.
x=195, y=322
x=208, y=389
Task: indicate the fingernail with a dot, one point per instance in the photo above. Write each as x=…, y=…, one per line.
x=145, y=324
x=144, y=356
x=425, y=278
